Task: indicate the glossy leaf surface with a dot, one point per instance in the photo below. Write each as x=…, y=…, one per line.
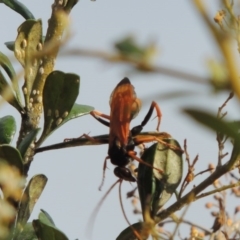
x=78, y=110
x=27, y=45
x=156, y=188
x=25, y=143
x=10, y=44
x=45, y=229
x=32, y=193
x=11, y=156
x=7, y=129
x=46, y=218
x=128, y=234
x=59, y=95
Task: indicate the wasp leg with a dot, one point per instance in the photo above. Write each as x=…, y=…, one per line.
x=105, y=161
x=144, y=139
x=136, y=130
x=104, y=170
x=97, y=115
x=149, y=114
x=91, y=139
x=84, y=135
x=132, y=154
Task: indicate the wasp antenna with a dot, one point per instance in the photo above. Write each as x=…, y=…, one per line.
x=82, y=136
x=124, y=213
x=96, y=210
x=102, y=183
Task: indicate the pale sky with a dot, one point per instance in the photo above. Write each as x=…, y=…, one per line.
x=74, y=174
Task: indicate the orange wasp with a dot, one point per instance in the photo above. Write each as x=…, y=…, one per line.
x=125, y=106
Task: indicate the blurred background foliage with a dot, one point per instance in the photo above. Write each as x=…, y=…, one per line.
x=51, y=95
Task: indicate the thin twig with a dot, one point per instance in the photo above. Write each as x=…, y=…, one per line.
x=224, y=105
x=220, y=138
x=190, y=174
x=206, y=231
x=209, y=169
x=218, y=190
x=179, y=222
x=98, y=140
x=124, y=213
x=192, y=195
x=114, y=58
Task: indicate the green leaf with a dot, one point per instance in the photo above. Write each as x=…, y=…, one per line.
x=219, y=75
x=7, y=66
x=27, y=46
x=27, y=233
x=77, y=110
x=129, y=47
x=44, y=231
x=7, y=93
x=12, y=156
x=59, y=94
x=45, y=228
x=45, y=218
x=26, y=142
x=19, y=8
x=10, y=45
x=69, y=4
x=156, y=188
x=31, y=195
x=230, y=129
x=128, y=234
x=7, y=129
